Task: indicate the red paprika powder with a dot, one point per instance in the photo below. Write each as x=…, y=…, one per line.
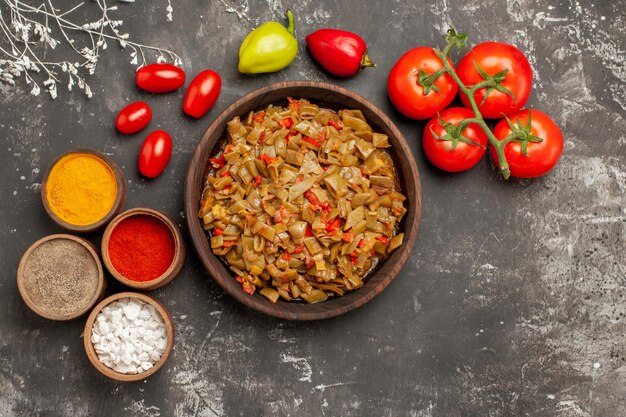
x=141, y=247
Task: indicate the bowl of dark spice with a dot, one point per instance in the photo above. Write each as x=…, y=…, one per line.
x=60, y=277
x=143, y=248
x=128, y=336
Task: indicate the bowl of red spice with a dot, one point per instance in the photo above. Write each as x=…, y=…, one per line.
x=143, y=249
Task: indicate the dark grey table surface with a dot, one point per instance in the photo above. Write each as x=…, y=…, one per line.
x=512, y=303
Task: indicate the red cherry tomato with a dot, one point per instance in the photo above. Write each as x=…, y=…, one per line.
x=202, y=93
x=160, y=78
x=492, y=58
x=155, y=153
x=133, y=118
x=453, y=155
x=540, y=157
x=408, y=95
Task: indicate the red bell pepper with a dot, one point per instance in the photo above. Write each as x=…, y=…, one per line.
x=340, y=52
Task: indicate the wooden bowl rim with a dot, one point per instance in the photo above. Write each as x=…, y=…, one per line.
x=334, y=306
x=118, y=205
x=59, y=317
x=93, y=356
x=177, y=261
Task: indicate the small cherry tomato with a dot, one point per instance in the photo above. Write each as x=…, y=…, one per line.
x=160, y=78
x=411, y=89
x=449, y=150
x=538, y=157
x=492, y=59
x=155, y=153
x=133, y=118
x=202, y=93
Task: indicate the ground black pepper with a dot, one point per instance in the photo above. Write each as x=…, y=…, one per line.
x=61, y=277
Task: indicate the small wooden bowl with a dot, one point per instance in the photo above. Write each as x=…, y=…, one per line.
x=334, y=97
x=93, y=356
x=120, y=199
x=169, y=274
x=97, y=296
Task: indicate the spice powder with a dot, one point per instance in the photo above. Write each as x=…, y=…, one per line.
x=141, y=247
x=61, y=277
x=81, y=189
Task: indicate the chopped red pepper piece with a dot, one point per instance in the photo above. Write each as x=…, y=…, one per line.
x=226, y=174
x=308, y=232
x=287, y=122
x=259, y=117
x=262, y=137
x=300, y=178
x=220, y=161
x=289, y=135
x=297, y=249
x=361, y=243
x=257, y=180
x=310, y=195
x=286, y=256
x=333, y=225
x=337, y=124
x=229, y=243
x=348, y=237
x=326, y=207
x=217, y=231
x=239, y=279
x=311, y=141
x=295, y=104
x=227, y=187
x=267, y=159
x=382, y=239
x=353, y=258
x=248, y=287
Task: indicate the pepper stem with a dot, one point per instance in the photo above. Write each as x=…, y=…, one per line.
x=366, y=61
x=292, y=24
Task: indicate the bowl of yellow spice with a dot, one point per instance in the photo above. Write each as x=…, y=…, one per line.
x=83, y=190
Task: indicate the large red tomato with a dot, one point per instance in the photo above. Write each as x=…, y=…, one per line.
x=493, y=58
x=540, y=157
x=407, y=94
x=450, y=154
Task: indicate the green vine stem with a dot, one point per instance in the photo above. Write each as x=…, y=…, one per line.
x=458, y=40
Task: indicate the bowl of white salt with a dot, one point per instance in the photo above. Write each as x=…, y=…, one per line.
x=128, y=336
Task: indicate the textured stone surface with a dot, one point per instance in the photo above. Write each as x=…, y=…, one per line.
x=511, y=304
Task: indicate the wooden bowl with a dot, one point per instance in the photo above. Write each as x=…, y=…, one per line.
x=169, y=274
x=333, y=97
x=120, y=199
x=93, y=356
x=97, y=295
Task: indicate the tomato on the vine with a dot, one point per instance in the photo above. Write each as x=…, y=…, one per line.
x=202, y=93
x=414, y=90
x=451, y=150
x=530, y=158
x=133, y=118
x=509, y=69
x=155, y=153
x=160, y=78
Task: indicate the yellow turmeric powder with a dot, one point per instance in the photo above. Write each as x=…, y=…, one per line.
x=81, y=189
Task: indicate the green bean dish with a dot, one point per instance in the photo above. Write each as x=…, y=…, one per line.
x=302, y=202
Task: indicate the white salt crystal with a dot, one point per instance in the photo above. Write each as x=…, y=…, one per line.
x=129, y=336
